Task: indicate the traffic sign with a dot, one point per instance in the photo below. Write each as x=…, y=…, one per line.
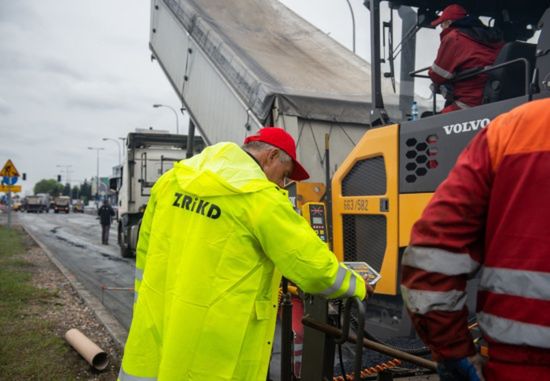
x=10, y=188
x=9, y=180
x=9, y=170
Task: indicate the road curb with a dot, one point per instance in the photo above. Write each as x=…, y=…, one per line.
x=115, y=329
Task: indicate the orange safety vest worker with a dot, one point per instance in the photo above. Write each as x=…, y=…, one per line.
x=489, y=217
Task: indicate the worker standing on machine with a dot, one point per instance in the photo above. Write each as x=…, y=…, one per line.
x=217, y=233
x=466, y=44
x=490, y=215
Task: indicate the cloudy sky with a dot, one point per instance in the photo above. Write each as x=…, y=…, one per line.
x=75, y=71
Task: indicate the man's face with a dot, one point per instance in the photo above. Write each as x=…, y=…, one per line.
x=275, y=170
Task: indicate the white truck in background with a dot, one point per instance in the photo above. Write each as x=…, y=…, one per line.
x=37, y=203
x=148, y=154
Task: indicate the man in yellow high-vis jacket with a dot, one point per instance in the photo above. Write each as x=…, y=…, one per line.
x=217, y=234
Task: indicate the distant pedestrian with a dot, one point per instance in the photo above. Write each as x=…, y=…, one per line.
x=106, y=214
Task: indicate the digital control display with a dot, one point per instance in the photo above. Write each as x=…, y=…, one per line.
x=317, y=220
x=316, y=216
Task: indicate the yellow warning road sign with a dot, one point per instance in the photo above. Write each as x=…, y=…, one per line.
x=9, y=170
x=10, y=188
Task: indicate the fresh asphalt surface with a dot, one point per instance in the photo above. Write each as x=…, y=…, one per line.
x=74, y=239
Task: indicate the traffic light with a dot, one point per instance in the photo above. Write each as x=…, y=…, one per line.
x=58, y=178
x=24, y=176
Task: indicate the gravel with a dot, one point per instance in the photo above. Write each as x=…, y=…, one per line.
x=71, y=312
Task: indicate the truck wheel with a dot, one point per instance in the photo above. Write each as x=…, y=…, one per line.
x=125, y=251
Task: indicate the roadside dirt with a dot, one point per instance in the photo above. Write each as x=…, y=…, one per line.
x=69, y=311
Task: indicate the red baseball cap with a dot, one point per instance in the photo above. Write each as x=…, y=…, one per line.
x=281, y=139
x=452, y=12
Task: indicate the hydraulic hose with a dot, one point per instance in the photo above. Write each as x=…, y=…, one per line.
x=335, y=332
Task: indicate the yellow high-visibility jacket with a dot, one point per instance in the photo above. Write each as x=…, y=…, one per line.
x=215, y=238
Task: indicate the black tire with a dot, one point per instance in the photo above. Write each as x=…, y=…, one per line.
x=125, y=251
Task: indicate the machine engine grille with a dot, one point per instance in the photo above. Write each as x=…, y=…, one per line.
x=365, y=239
x=366, y=178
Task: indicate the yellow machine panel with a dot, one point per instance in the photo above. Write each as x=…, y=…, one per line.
x=365, y=206
x=301, y=193
x=410, y=210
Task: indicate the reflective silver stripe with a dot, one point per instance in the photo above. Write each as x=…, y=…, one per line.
x=352, y=286
x=461, y=104
x=139, y=274
x=439, y=261
x=527, y=284
x=514, y=332
x=422, y=302
x=442, y=72
x=123, y=376
x=135, y=296
x=340, y=275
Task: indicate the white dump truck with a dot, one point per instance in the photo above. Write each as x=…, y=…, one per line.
x=61, y=204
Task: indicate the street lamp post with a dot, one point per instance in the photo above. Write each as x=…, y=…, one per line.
x=97, y=149
x=175, y=114
x=67, y=171
x=119, y=149
x=352, y=23
x=124, y=139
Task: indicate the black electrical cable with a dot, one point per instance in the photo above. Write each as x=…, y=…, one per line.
x=340, y=355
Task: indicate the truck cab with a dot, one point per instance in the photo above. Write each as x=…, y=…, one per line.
x=149, y=154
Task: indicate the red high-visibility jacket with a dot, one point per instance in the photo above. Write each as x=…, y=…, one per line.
x=459, y=52
x=490, y=215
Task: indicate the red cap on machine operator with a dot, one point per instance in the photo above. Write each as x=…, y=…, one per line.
x=281, y=139
x=452, y=12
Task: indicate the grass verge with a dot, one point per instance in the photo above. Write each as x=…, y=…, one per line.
x=29, y=344
x=31, y=336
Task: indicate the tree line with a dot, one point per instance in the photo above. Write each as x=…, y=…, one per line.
x=54, y=188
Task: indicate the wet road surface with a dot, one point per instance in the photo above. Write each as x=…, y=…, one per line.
x=75, y=240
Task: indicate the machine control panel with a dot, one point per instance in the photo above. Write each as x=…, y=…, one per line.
x=315, y=214
x=367, y=272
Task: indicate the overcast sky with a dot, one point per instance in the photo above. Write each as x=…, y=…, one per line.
x=75, y=71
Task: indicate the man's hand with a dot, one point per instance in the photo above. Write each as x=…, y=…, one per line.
x=368, y=288
x=463, y=369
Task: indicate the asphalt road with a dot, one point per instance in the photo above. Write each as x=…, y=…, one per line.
x=75, y=240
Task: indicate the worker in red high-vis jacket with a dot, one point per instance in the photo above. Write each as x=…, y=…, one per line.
x=466, y=44
x=488, y=218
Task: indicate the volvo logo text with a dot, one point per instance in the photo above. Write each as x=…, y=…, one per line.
x=472, y=125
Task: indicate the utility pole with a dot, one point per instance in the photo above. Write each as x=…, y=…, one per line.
x=97, y=149
x=67, y=172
